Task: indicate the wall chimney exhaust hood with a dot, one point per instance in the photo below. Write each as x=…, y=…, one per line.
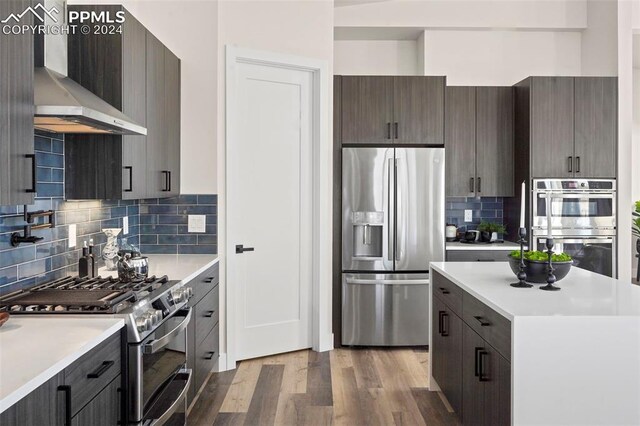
x=61, y=104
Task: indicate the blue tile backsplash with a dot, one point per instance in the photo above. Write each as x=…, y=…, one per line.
x=484, y=209
x=155, y=225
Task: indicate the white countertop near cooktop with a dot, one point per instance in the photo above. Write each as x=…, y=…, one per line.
x=507, y=246
x=182, y=267
x=583, y=293
x=34, y=349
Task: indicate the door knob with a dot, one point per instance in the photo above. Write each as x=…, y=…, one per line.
x=241, y=249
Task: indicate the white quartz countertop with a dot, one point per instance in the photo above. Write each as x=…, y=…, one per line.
x=181, y=267
x=34, y=349
x=583, y=293
x=506, y=246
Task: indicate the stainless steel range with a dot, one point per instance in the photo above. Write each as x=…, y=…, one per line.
x=156, y=315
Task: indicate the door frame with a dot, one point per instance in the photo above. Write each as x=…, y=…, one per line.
x=321, y=182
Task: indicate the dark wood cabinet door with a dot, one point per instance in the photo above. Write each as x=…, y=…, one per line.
x=16, y=112
x=460, y=141
x=596, y=124
x=134, y=105
x=494, y=141
x=418, y=110
x=504, y=384
x=473, y=402
x=43, y=406
x=552, y=131
x=103, y=410
x=157, y=177
x=452, y=328
x=367, y=109
x=497, y=404
x=438, y=348
x=172, y=120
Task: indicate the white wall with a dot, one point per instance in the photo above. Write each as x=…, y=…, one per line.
x=484, y=57
x=600, y=39
x=376, y=57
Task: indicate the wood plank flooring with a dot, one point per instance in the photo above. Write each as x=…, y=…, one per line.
x=342, y=387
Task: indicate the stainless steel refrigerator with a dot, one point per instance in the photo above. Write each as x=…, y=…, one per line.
x=392, y=227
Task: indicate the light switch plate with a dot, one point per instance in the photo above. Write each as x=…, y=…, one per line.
x=72, y=235
x=197, y=223
x=468, y=215
x=125, y=225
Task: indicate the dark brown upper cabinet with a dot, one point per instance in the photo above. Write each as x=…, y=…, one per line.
x=567, y=126
x=479, y=137
x=17, y=159
x=386, y=110
x=137, y=74
x=113, y=67
x=596, y=126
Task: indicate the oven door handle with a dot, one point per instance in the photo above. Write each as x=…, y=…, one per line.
x=162, y=419
x=577, y=196
x=156, y=344
x=584, y=240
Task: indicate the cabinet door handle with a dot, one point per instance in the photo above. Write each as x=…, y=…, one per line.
x=570, y=164
x=482, y=321
x=165, y=173
x=479, y=184
x=440, y=314
x=34, y=166
x=169, y=172
x=445, y=324
x=395, y=129
x=100, y=370
x=388, y=130
x=476, y=364
x=210, y=355
x=209, y=279
x=443, y=290
x=67, y=403
x=577, y=164
x=209, y=314
x=130, y=170
x=471, y=186
x=483, y=356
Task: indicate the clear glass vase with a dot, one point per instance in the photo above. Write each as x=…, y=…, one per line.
x=110, y=250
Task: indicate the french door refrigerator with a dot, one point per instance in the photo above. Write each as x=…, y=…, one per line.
x=392, y=227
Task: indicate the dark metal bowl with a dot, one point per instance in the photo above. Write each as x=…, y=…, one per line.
x=537, y=270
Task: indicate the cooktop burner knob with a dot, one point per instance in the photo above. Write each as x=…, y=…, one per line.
x=189, y=292
x=158, y=314
x=143, y=324
x=177, y=295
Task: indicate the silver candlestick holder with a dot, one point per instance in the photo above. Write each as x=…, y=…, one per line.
x=551, y=278
x=522, y=273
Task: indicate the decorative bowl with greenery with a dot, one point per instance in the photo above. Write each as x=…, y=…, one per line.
x=536, y=265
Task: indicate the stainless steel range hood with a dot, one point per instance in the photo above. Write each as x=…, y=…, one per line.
x=61, y=104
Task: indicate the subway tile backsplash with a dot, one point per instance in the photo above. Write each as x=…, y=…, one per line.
x=484, y=209
x=156, y=225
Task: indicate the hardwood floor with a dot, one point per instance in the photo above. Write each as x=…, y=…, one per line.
x=341, y=387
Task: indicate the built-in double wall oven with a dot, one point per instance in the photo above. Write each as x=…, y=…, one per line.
x=582, y=216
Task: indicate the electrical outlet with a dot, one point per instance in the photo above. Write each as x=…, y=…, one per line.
x=72, y=235
x=125, y=225
x=197, y=223
x=468, y=215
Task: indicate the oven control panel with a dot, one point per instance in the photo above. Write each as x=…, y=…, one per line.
x=575, y=184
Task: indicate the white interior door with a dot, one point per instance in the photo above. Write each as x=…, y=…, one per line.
x=269, y=209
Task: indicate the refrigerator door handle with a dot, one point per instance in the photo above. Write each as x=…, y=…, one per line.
x=357, y=281
x=390, y=218
x=397, y=233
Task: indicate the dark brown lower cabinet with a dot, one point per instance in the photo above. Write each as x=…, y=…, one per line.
x=103, y=410
x=43, y=406
x=447, y=353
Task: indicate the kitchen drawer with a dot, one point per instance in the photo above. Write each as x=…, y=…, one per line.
x=206, y=357
x=94, y=371
x=490, y=325
x=447, y=291
x=477, y=255
x=203, y=283
x=206, y=314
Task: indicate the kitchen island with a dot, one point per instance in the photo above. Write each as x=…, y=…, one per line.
x=532, y=357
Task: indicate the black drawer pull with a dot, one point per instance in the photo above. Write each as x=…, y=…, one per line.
x=444, y=290
x=483, y=322
x=483, y=355
x=477, y=361
x=209, y=279
x=209, y=314
x=67, y=403
x=100, y=370
x=445, y=329
x=210, y=355
x=440, y=328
